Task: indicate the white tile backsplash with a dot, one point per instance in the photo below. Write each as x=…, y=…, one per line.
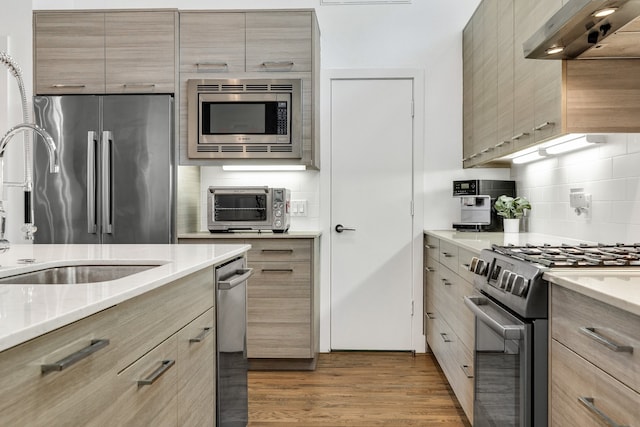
x=610, y=172
x=303, y=185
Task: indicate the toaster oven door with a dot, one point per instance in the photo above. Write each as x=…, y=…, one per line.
x=239, y=210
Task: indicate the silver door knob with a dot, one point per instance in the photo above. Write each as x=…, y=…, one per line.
x=340, y=228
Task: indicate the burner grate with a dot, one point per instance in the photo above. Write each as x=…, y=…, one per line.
x=582, y=255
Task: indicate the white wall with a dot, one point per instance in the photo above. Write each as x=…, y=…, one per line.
x=610, y=172
x=15, y=38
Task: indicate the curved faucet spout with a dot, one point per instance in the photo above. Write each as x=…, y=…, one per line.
x=54, y=165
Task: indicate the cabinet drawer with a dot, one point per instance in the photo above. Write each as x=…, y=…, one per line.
x=464, y=258
x=449, y=255
x=155, y=402
x=573, y=378
x=432, y=247
x=280, y=280
x=151, y=318
x=196, y=371
x=279, y=250
x=571, y=315
x=466, y=321
x=75, y=395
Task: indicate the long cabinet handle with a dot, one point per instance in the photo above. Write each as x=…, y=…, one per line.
x=75, y=357
x=202, y=335
x=501, y=143
x=518, y=136
x=92, y=221
x=107, y=138
x=429, y=315
x=467, y=371
x=430, y=247
x=278, y=250
x=446, y=282
x=444, y=337
x=164, y=367
x=447, y=255
x=277, y=270
x=128, y=85
x=591, y=333
x=430, y=269
x=211, y=65
x=589, y=403
x=68, y=86
x=239, y=277
x=278, y=65
x=486, y=150
x=543, y=125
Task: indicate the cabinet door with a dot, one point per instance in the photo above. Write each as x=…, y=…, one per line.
x=212, y=42
x=525, y=24
x=504, y=127
x=467, y=92
x=146, y=390
x=278, y=41
x=69, y=53
x=279, y=310
x=140, y=52
x=196, y=372
x=73, y=394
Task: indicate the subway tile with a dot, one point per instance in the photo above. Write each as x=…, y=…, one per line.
x=626, y=166
x=633, y=189
x=615, y=189
x=633, y=143
x=593, y=170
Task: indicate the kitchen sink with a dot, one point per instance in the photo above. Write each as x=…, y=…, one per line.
x=76, y=274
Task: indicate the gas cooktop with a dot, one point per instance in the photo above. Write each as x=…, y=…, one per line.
x=583, y=255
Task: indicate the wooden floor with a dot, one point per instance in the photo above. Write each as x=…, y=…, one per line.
x=356, y=389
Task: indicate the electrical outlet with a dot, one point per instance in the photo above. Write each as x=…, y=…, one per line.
x=298, y=208
x=580, y=202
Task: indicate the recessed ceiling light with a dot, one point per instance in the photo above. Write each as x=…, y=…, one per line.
x=604, y=12
x=554, y=49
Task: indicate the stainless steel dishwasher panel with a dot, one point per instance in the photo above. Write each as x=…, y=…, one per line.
x=231, y=327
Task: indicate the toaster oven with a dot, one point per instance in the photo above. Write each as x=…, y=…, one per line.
x=248, y=208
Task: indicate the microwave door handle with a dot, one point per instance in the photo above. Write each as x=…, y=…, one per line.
x=107, y=226
x=509, y=332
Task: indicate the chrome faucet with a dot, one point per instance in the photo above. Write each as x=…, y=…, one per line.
x=54, y=167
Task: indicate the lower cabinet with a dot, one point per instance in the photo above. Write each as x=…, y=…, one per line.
x=283, y=314
x=595, y=362
x=450, y=326
x=147, y=361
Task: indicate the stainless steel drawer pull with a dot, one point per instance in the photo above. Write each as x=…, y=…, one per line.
x=591, y=333
x=446, y=282
x=126, y=85
x=430, y=247
x=278, y=250
x=68, y=86
x=466, y=266
x=518, y=136
x=240, y=276
x=486, y=150
x=430, y=269
x=444, y=336
x=447, y=254
x=467, y=371
x=278, y=65
x=202, y=335
x=277, y=270
x=543, y=125
x=75, y=357
x=501, y=143
x=211, y=65
x=164, y=367
x=589, y=403
x=429, y=315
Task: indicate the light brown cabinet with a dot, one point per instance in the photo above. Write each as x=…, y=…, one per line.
x=450, y=326
x=83, y=52
x=511, y=102
x=148, y=373
x=283, y=315
x=595, y=365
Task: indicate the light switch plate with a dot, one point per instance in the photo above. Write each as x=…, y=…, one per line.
x=298, y=208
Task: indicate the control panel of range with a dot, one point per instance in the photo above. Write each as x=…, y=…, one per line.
x=501, y=276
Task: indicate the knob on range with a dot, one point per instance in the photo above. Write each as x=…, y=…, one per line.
x=478, y=266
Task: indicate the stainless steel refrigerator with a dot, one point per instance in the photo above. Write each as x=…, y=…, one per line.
x=117, y=171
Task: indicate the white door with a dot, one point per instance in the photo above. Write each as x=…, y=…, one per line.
x=371, y=192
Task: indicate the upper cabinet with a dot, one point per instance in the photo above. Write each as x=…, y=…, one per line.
x=84, y=52
x=510, y=102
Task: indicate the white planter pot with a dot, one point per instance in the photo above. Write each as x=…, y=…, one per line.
x=511, y=225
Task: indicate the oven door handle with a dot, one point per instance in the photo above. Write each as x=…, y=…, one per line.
x=508, y=332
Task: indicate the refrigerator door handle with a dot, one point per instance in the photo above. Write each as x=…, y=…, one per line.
x=107, y=138
x=92, y=221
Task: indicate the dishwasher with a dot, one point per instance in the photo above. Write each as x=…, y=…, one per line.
x=231, y=342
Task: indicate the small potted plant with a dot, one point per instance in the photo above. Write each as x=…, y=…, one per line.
x=511, y=209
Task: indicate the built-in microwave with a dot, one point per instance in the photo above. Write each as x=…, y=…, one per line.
x=248, y=208
x=244, y=118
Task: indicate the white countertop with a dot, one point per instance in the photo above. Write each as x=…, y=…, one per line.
x=476, y=241
x=251, y=235
x=617, y=287
x=27, y=311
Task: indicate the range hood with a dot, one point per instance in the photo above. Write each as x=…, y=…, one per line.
x=578, y=33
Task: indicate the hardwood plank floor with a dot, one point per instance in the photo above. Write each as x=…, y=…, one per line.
x=356, y=389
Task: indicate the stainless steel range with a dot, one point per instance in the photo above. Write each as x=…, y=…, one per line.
x=512, y=325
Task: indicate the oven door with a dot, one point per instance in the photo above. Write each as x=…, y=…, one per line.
x=502, y=366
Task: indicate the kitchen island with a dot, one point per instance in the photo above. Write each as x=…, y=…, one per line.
x=138, y=349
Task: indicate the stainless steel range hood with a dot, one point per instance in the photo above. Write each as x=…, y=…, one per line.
x=583, y=35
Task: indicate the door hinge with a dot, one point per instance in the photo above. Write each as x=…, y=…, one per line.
x=412, y=307
x=413, y=107
x=411, y=209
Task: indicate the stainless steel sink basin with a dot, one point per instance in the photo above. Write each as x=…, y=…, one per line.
x=74, y=274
